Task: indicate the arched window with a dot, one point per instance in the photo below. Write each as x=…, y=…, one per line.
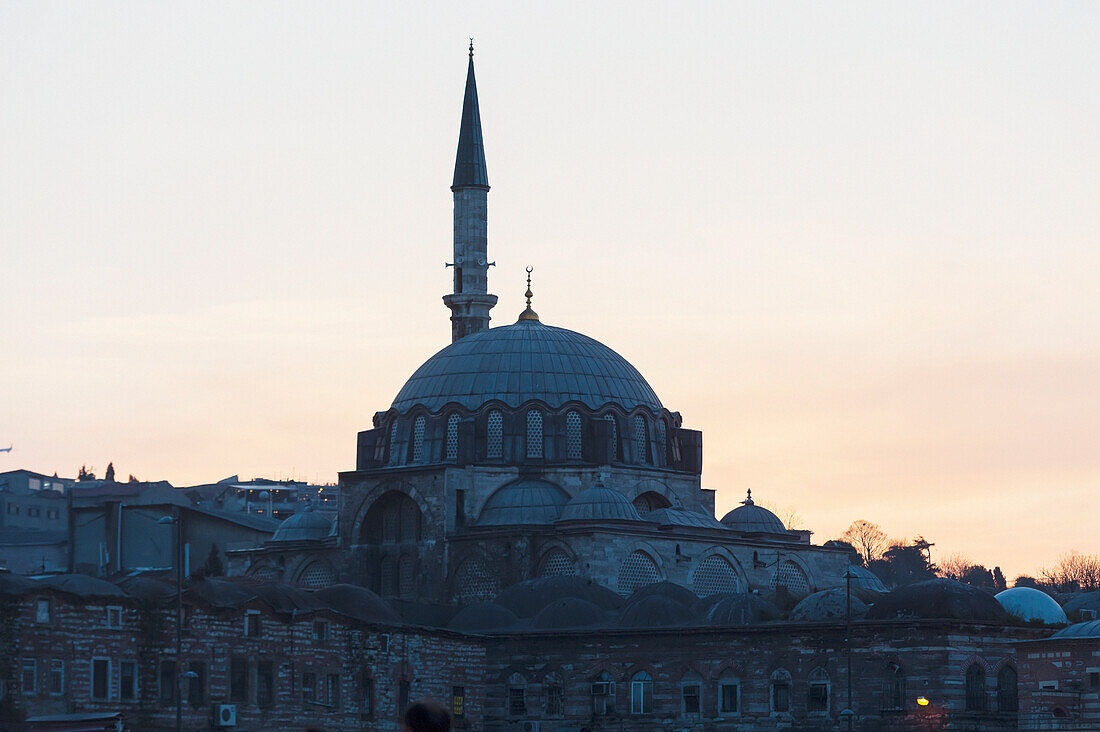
x=819, y=691
x=790, y=575
x=603, y=695
x=317, y=574
x=475, y=580
x=714, y=574
x=641, y=693
x=452, y=436
x=573, y=436
x=781, y=691
x=613, y=440
x=662, y=442
x=556, y=563
x=691, y=694
x=552, y=687
x=418, y=439
x=975, y=688
x=893, y=691
x=641, y=445
x=534, y=433
x=393, y=519
x=1007, y=699
x=406, y=575
x=517, y=696
x=729, y=695
x=637, y=570
x=393, y=443
x=650, y=501
x=495, y=438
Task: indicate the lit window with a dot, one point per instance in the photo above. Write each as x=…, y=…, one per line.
x=458, y=701
x=573, y=436
x=418, y=439
x=534, y=433
x=781, y=691
x=452, y=436
x=495, y=441
x=641, y=693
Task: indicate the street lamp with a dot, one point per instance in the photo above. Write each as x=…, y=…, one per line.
x=848, y=713
x=175, y=521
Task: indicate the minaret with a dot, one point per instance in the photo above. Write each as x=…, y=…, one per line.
x=470, y=302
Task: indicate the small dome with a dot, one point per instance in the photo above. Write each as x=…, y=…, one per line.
x=599, y=504
x=524, y=502
x=655, y=611
x=737, y=609
x=483, y=616
x=827, y=605
x=568, y=612
x=1091, y=629
x=938, y=598
x=752, y=519
x=81, y=585
x=865, y=579
x=303, y=526
x=1028, y=604
x=527, y=598
x=683, y=517
x=356, y=602
x=670, y=590
x=1083, y=601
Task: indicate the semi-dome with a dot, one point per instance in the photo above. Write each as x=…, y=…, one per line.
x=524, y=361
x=599, y=504
x=752, y=519
x=303, y=526
x=524, y=502
x=1029, y=604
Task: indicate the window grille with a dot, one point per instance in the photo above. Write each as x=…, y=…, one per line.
x=691, y=691
x=662, y=442
x=893, y=693
x=713, y=575
x=781, y=691
x=410, y=519
x=418, y=439
x=317, y=575
x=406, y=575
x=452, y=436
x=517, y=698
x=646, y=503
x=641, y=693
x=474, y=580
x=495, y=442
x=613, y=444
x=534, y=433
x=975, y=688
x=790, y=575
x=729, y=696
x=573, y=436
x=641, y=453
x=393, y=443
x=637, y=570
x=1007, y=699
x=391, y=522
x=553, y=698
x=556, y=563
x=389, y=576
x=819, y=690
x=603, y=694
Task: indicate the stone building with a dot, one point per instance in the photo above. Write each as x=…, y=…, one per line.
x=1059, y=679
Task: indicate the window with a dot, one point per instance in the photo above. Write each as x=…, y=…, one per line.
x=238, y=680
x=1007, y=700
x=662, y=442
x=603, y=694
x=975, y=688
x=42, y=610
x=101, y=673
x=573, y=435
x=613, y=438
x=366, y=695
x=729, y=696
x=517, y=696
x=51, y=513
x=265, y=684
x=57, y=677
x=1094, y=679
x=252, y=623
x=114, y=617
x=637, y=570
x=495, y=439
x=554, y=705
x=317, y=575
x=393, y=443
x=406, y=574
x=167, y=683
x=403, y=691
x=556, y=563
x=28, y=680
x=790, y=575
x=781, y=692
x=714, y=574
x=13, y=510
x=452, y=436
x=332, y=689
x=691, y=690
x=458, y=701
x=534, y=433
x=34, y=511
x=418, y=439
x=320, y=631
x=641, y=693
x=641, y=446
x=309, y=688
x=893, y=693
x=475, y=580
x=127, y=680
x=819, y=691
x=196, y=684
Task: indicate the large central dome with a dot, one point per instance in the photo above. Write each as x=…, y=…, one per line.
x=527, y=360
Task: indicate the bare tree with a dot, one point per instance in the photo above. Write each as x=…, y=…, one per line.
x=1074, y=570
x=868, y=539
x=789, y=515
x=955, y=566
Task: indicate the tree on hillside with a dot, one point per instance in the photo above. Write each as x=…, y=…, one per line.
x=999, y=580
x=132, y=479
x=1074, y=572
x=109, y=476
x=84, y=474
x=954, y=566
x=868, y=539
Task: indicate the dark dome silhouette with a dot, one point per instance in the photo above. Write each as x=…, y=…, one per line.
x=569, y=612
x=827, y=605
x=939, y=598
x=527, y=598
x=737, y=609
x=483, y=616
x=670, y=590
x=303, y=526
x=655, y=611
x=356, y=602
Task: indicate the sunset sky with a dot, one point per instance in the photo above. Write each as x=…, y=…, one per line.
x=856, y=244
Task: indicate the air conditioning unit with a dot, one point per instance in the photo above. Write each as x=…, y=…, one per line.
x=225, y=715
x=530, y=727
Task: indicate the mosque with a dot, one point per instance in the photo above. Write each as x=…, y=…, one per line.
x=526, y=451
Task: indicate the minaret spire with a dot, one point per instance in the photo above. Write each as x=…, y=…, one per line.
x=470, y=302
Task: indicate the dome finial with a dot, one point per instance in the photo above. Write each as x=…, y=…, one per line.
x=471, y=48
x=748, y=499
x=529, y=314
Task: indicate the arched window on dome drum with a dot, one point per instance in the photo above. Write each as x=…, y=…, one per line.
x=494, y=441
x=637, y=570
x=418, y=439
x=613, y=444
x=556, y=563
x=714, y=574
x=534, y=433
x=641, y=444
x=1007, y=699
x=662, y=442
x=393, y=443
x=975, y=688
x=573, y=435
x=790, y=575
x=317, y=574
x=452, y=436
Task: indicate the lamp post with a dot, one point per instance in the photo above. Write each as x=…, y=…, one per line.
x=175, y=521
x=848, y=713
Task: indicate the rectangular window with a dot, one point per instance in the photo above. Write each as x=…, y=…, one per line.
x=1094, y=679
x=366, y=696
x=819, y=697
x=238, y=680
x=13, y=510
x=33, y=511
x=309, y=688
x=51, y=513
x=691, y=693
x=42, y=610
x=320, y=631
x=458, y=701
x=127, y=680
x=781, y=696
x=101, y=673
x=252, y=623
x=28, y=680
x=553, y=700
x=403, y=691
x=114, y=616
x=727, y=697
x=265, y=684
x=196, y=685
x=167, y=683
x=517, y=701
x=333, y=689
x=57, y=677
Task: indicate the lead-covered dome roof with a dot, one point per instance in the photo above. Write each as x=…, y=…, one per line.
x=1031, y=605
x=524, y=502
x=303, y=526
x=599, y=504
x=524, y=361
x=753, y=519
